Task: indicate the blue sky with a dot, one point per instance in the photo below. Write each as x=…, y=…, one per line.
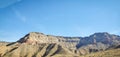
x=58, y=17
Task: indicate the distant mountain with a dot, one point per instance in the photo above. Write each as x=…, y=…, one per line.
x=3, y=43
x=98, y=42
x=37, y=44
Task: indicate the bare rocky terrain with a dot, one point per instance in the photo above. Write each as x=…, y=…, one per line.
x=36, y=44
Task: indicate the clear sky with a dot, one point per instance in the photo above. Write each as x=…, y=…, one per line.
x=58, y=17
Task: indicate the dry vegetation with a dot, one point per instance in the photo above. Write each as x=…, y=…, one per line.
x=108, y=53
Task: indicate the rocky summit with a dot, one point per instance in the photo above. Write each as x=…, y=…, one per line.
x=36, y=44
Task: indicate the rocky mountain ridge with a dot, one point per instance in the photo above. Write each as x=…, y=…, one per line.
x=41, y=45
x=37, y=38
x=77, y=42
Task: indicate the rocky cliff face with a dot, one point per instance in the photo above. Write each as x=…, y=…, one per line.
x=37, y=44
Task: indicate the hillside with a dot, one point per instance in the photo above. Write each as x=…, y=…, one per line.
x=108, y=53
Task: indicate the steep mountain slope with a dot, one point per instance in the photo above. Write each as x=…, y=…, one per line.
x=41, y=50
x=37, y=38
x=37, y=44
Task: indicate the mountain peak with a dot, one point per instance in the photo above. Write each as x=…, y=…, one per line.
x=35, y=33
x=36, y=37
x=102, y=33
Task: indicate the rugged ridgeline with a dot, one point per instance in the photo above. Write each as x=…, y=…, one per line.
x=37, y=44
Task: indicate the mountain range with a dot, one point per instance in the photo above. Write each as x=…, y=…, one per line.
x=36, y=44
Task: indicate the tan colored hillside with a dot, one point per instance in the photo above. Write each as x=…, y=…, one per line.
x=39, y=50
x=108, y=53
